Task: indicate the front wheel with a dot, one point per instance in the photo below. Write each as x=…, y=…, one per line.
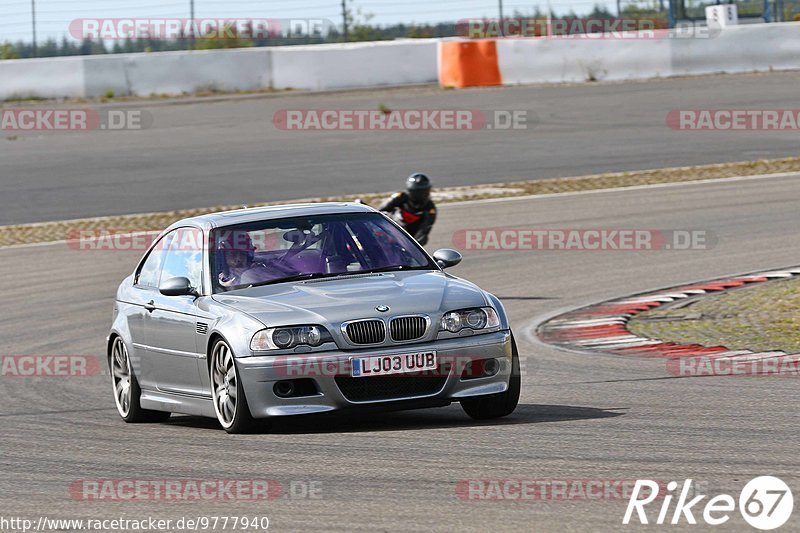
x=227, y=391
x=126, y=388
x=497, y=405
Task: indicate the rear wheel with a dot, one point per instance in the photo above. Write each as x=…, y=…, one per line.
x=126, y=388
x=497, y=405
x=230, y=403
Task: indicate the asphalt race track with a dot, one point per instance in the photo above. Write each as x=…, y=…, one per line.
x=229, y=153
x=587, y=417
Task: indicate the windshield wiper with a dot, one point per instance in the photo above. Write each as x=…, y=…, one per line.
x=317, y=275
x=298, y=277
x=391, y=268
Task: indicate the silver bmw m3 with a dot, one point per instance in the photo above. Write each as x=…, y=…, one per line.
x=297, y=309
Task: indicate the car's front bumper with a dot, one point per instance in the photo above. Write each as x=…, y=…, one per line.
x=260, y=373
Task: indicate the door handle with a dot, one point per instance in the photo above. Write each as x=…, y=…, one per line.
x=150, y=306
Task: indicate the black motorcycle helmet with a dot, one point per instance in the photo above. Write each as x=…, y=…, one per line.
x=418, y=187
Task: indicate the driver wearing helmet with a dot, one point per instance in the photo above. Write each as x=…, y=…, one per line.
x=238, y=266
x=413, y=209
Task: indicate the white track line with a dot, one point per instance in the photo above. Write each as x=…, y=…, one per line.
x=732, y=179
x=623, y=189
x=587, y=324
x=602, y=341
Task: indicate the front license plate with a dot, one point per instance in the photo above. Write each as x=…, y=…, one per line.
x=386, y=365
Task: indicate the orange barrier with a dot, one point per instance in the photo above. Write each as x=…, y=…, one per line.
x=469, y=64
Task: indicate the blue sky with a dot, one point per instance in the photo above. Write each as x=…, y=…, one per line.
x=54, y=16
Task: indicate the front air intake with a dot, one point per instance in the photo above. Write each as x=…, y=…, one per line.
x=366, y=332
x=408, y=328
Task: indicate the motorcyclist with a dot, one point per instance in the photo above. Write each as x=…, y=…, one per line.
x=413, y=209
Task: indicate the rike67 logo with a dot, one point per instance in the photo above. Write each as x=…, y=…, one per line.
x=765, y=503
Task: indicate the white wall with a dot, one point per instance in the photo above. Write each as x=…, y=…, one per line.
x=177, y=72
x=103, y=74
x=755, y=47
x=319, y=67
x=136, y=74
x=45, y=78
x=339, y=66
x=745, y=48
x=564, y=60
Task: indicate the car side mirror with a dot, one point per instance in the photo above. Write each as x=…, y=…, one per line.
x=447, y=258
x=177, y=287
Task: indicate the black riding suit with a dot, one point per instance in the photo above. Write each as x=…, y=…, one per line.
x=418, y=221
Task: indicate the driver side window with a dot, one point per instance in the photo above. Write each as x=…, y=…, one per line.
x=185, y=257
x=150, y=271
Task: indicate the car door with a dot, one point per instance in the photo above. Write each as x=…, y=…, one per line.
x=142, y=298
x=172, y=326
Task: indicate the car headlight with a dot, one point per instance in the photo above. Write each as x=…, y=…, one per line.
x=478, y=318
x=289, y=337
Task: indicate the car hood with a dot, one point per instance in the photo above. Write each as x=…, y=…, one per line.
x=336, y=300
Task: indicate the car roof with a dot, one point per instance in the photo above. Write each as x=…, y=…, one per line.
x=272, y=212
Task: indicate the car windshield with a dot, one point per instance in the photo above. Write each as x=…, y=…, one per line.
x=291, y=249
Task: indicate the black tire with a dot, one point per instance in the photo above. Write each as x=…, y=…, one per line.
x=241, y=421
x=129, y=408
x=497, y=405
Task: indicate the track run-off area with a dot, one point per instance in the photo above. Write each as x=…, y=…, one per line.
x=581, y=416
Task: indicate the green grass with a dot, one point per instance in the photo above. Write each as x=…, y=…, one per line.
x=761, y=317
